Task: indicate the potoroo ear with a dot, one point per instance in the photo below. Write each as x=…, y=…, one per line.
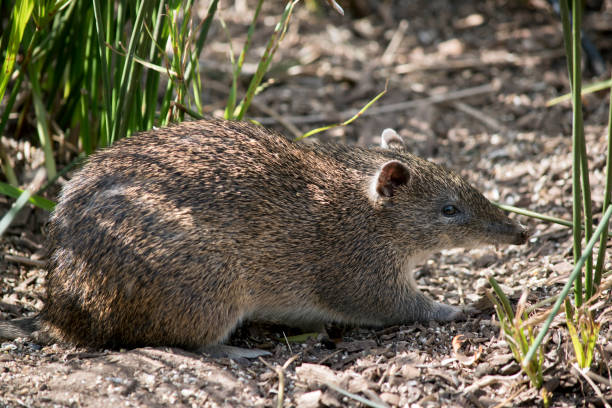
x=390, y=139
x=392, y=175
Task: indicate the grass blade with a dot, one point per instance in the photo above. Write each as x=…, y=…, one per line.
x=105, y=73
x=579, y=143
x=346, y=122
x=592, y=88
x=5, y=161
x=41, y=123
x=231, y=100
x=152, y=81
x=603, y=224
x=212, y=9
x=7, y=168
x=230, y=106
x=21, y=15
x=86, y=134
x=23, y=199
x=502, y=296
x=188, y=110
x=606, y=203
x=38, y=201
x=355, y=397
x=127, y=82
x=266, y=58
x=573, y=332
x=152, y=66
x=572, y=50
x=533, y=214
x=8, y=218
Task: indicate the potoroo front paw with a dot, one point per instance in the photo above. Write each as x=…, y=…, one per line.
x=447, y=313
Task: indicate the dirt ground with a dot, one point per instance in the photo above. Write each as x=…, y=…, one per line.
x=468, y=83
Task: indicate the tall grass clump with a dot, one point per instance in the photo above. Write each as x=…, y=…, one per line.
x=586, y=277
x=92, y=72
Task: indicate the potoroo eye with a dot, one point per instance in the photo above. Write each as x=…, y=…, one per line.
x=450, y=210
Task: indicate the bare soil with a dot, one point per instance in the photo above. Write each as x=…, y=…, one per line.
x=468, y=86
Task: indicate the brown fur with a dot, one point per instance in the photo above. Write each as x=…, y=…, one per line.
x=175, y=236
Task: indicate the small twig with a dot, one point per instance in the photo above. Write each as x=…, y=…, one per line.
x=281, y=381
x=592, y=384
x=600, y=379
x=25, y=261
x=60, y=137
x=356, y=397
x=24, y=285
x=460, y=292
x=479, y=115
x=324, y=359
x=270, y=366
x=533, y=308
x=490, y=379
x=187, y=110
x=539, y=318
x=280, y=372
x=29, y=242
x=438, y=98
x=289, y=361
x=336, y=6
x=20, y=402
x=488, y=59
x=287, y=341
x=510, y=398
x=348, y=121
x=389, y=373
x=391, y=50
x=391, y=108
x=280, y=119
x=606, y=363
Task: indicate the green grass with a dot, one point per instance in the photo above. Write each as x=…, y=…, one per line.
x=19, y=20
x=519, y=335
x=95, y=70
x=100, y=71
x=585, y=278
